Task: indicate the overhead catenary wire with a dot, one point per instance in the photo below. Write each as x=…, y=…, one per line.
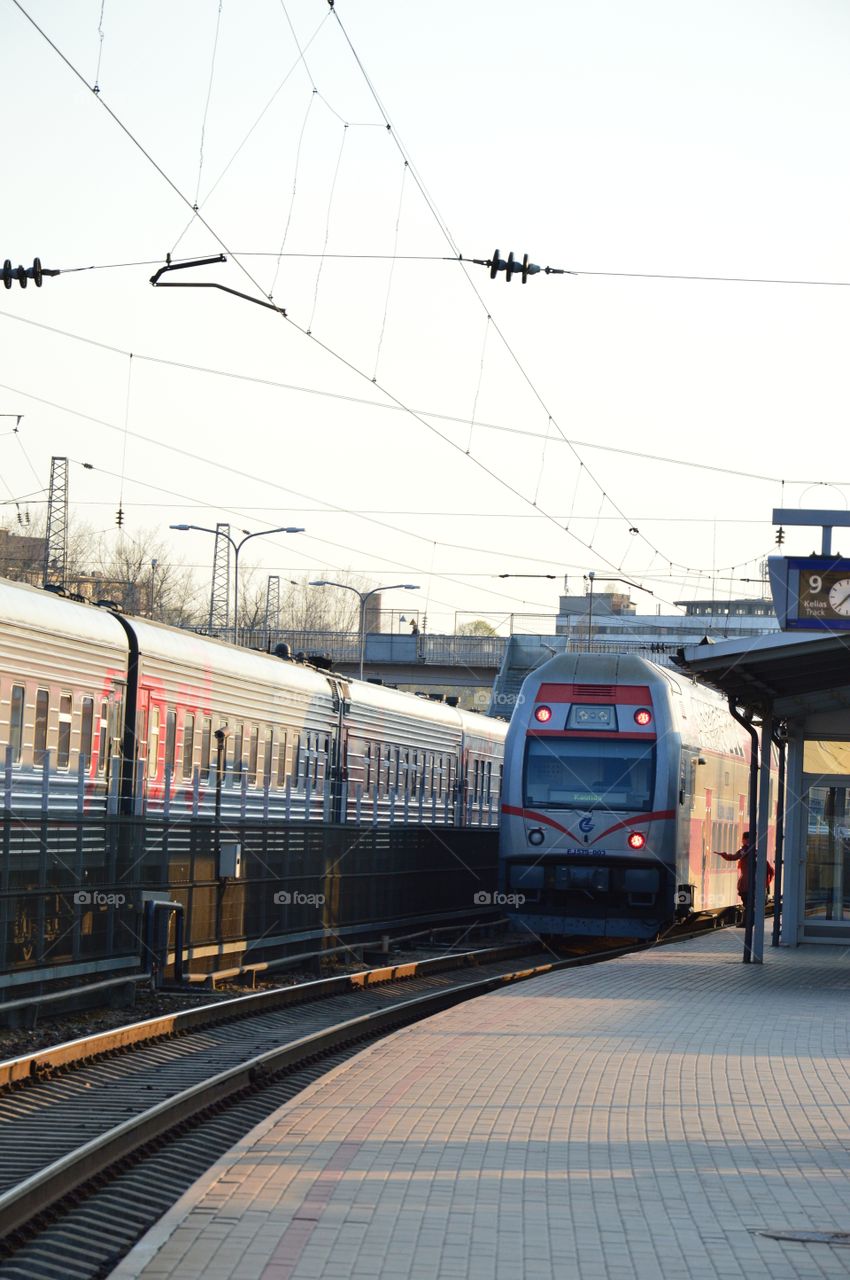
x=207, y=103
x=395, y=563
x=450, y=239
x=100, y=35
x=246, y=475
x=327, y=226
x=463, y=258
x=390, y=275
x=248, y=378
x=324, y=346
x=294, y=190
x=329, y=350
x=395, y=408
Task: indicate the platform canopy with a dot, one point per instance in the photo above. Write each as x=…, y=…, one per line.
x=790, y=674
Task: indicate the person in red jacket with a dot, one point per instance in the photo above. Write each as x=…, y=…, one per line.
x=744, y=859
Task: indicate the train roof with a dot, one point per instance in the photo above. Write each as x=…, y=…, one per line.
x=176, y=644
x=54, y=614
x=599, y=668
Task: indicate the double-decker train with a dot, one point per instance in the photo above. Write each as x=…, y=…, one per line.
x=622, y=780
x=104, y=713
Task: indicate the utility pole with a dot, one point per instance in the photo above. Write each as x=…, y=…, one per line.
x=272, y=603
x=220, y=592
x=55, y=570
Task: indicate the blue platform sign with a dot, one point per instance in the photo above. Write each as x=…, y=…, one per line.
x=811, y=593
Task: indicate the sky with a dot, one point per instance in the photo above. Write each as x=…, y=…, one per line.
x=424, y=423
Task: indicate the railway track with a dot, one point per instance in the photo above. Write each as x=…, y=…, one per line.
x=99, y=1137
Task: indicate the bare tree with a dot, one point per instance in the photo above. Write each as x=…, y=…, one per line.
x=306, y=608
x=145, y=579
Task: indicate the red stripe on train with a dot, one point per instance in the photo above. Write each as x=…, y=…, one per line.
x=590, y=733
x=635, y=820
x=629, y=695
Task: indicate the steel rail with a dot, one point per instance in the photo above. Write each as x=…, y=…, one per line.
x=42, y=1190
x=86, y=1048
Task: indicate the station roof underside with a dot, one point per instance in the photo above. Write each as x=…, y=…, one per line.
x=795, y=675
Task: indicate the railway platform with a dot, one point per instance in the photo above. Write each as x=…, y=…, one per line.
x=668, y=1114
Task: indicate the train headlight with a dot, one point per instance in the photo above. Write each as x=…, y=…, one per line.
x=543, y=714
x=535, y=836
x=643, y=716
x=637, y=840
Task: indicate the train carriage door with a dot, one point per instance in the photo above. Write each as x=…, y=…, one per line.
x=826, y=841
x=141, y=772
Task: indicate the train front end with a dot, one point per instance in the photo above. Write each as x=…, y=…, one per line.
x=588, y=826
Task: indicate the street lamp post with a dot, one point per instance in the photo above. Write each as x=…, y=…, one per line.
x=237, y=547
x=363, y=596
x=591, y=577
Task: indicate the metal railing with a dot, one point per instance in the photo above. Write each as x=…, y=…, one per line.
x=381, y=647
x=73, y=889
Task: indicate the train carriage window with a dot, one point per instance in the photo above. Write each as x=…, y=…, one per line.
x=170, y=739
x=188, y=744
x=253, y=756
x=63, y=749
x=153, y=744
x=315, y=759
x=281, y=761
x=140, y=735
x=42, y=708
x=86, y=729
x=571, y=773
x=238, y=749
x=367, y=767
x=206, y=746
x=103, y=738
x=16, y=721
x=296, y=760
x=268, y=758
x=116, y=721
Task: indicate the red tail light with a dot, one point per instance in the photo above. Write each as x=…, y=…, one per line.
x=637, y=840
x=643, y=716
x=543, y=714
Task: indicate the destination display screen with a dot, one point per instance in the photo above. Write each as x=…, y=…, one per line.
x=818, y=594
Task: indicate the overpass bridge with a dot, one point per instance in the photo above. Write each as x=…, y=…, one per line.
x=485, y=671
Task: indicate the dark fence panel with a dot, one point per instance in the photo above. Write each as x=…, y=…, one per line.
x=72, y=890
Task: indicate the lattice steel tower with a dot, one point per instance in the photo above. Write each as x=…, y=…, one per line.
x=273, y=603
x=220, y=593
x=56, y=537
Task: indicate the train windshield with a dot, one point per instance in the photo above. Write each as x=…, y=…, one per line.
x=576, y=773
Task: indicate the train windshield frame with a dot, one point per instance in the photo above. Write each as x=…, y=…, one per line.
x=589, y=773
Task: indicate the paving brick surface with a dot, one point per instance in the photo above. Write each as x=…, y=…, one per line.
x=647, y=1117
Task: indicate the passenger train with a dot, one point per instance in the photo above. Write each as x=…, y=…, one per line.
x=622, y=779
x=105, y=713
